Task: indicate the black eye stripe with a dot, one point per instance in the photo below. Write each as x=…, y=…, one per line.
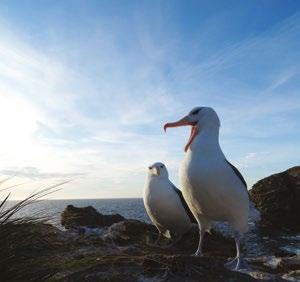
x=196, y=111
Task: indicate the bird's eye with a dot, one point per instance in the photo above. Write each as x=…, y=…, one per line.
x=162, y=166
x=196, y=112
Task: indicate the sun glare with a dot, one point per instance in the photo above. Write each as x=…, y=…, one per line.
x=17, y=123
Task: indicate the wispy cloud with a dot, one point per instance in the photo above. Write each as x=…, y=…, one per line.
x=97, y=108
x=35, y=174
x=251, y=159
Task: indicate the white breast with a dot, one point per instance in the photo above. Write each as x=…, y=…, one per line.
x=164, y=206
x=212, y=189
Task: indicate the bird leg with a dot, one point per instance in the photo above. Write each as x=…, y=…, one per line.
x=238, y=263
x=201, y=235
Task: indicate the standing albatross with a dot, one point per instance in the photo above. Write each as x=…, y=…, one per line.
x=165, y=204
x=213, y=188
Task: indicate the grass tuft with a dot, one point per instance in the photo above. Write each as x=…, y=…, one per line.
x=23, y=239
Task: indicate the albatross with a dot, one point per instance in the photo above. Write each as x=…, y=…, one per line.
x=213, y=188
x=165, y=205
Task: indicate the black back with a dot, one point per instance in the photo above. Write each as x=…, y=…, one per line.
x=238, y=174
x=187, y=210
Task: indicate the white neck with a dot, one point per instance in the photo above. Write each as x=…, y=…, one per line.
x=206, y=142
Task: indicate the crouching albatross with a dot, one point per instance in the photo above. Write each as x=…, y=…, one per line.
x=213, y=188
x=165, y=205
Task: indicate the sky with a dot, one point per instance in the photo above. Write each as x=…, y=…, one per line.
x=86, y=86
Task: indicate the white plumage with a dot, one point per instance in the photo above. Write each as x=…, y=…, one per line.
x=212, y=187
x=163, y=203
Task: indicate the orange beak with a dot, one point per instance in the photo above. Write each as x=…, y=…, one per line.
x=184, y=122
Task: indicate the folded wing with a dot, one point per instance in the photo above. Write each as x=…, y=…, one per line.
x=187, y=210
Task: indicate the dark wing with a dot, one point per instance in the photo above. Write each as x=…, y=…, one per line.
x=187, y=210
x=238, y=174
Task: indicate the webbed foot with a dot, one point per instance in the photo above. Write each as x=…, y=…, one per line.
x=237, y=264
x=198, y=253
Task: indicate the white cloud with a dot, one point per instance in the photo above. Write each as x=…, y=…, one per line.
x=104, y=118
x=251, y=159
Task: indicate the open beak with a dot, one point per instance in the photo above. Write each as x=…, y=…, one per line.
x=184, y=122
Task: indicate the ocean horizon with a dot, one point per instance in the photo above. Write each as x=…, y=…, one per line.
x=51, y=209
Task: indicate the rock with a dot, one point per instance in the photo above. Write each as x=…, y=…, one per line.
x=155, y=267
x=88, y=216
x=290, y=263
x=130, y=231
x=140, y=236
x=263, y=276
x=123, y=251
x=292, y=276
x=278, y=199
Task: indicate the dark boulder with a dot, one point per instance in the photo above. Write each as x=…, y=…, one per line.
x=278, y=199
x=290, y=263
x=141, y=236
x=88, y=216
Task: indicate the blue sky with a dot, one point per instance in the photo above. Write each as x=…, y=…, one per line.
x=85, y=87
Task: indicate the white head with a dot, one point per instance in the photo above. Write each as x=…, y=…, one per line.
x=199, y=118
x=158, y=170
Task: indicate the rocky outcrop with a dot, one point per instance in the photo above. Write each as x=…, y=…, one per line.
x=124, y=251
x=142, y=235
x=278, y=199
x=73, y=217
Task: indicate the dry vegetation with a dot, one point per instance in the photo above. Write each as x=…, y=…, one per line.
x=24, y=240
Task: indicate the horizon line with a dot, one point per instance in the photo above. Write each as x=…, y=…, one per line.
x=76, y=199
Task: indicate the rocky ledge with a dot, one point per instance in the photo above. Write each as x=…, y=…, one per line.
x=278, y=199
x=124, y=251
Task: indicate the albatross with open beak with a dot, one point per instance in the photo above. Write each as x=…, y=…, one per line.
x=212, y=187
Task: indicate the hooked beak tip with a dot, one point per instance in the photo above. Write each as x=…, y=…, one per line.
x=165, y=127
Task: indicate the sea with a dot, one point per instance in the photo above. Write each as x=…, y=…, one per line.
x=256, y=241
x=130, y=208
